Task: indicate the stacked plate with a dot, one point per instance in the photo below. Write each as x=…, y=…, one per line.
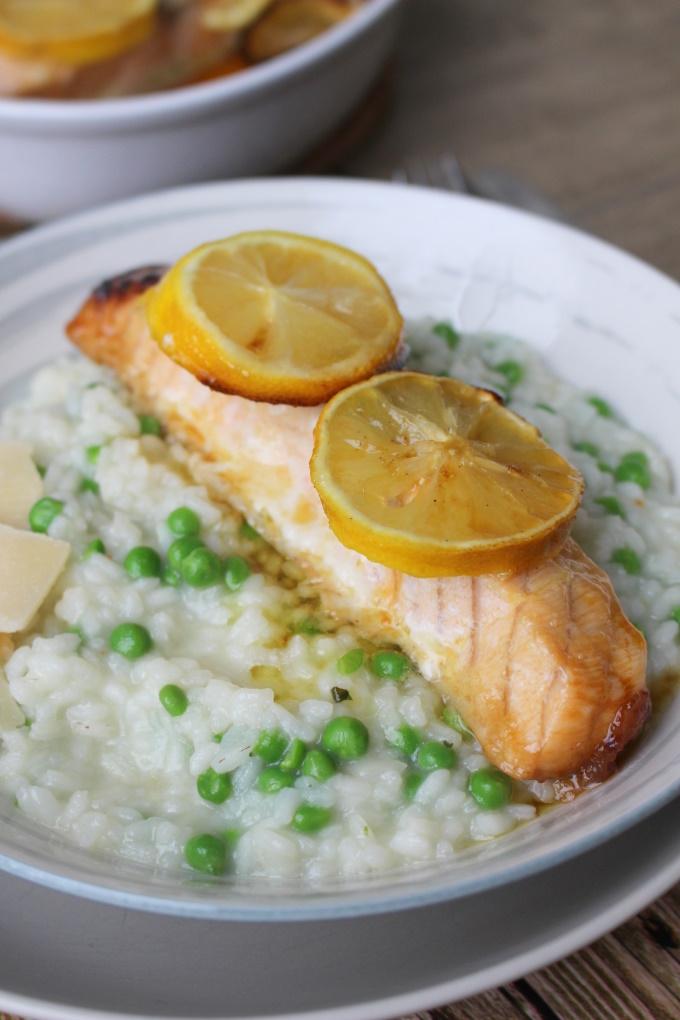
x=93, y=937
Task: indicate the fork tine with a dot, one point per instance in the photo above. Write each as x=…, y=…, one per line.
x=442, y=172
x=416, y=173
x=454, y=176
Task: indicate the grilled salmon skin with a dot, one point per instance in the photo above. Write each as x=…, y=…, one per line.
x=543, y=666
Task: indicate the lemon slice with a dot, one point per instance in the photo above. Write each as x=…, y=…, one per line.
x=275, y=317
x=433, y=477
x=74, y=31
x=291, y=23
x=231, y=15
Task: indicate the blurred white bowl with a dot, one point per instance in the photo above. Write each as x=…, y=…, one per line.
x=59, y=156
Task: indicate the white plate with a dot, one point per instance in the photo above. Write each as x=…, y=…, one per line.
x=63, y=958
x=600, y=318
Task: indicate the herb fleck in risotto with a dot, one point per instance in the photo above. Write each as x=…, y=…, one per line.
x=187, y=702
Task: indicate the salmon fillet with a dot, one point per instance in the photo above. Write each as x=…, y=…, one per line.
x=543, y=666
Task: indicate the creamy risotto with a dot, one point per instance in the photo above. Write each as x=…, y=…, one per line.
x=187, y=703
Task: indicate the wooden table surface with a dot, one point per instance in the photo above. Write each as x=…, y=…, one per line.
x=582, y=99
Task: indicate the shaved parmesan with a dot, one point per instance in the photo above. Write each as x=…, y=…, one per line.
x=20, y=483
x=29, y=566
x=11, y=715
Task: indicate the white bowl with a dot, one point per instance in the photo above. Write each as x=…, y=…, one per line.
x=602, y=320
x=59, y=156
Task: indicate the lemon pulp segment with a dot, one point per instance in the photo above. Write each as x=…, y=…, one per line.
x=275, y=317
x=74, y=31
x=434, y=477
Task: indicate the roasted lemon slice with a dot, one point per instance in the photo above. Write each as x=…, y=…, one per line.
x=275, y=317
x=291, y=23
x=74, y=31
x=231, y=15
x=434, y=477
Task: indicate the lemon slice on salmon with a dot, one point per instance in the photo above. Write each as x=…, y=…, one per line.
x=275, y=317
x=433, y=477
x=292, y=23
x=74, y=31
x=231, y=15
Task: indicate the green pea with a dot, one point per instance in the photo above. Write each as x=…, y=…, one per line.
x=601, y=406
x=217, y=737
x=236, y=572
x=201, y=568
x=272, y=779
x=309, y=818
x=171, y=577
x=131, y=640
x=390, y=665
x=214, y=786
x=611, y=505
x=588, y=448
x=307, y=627
x=628, y=559
x=446, y=331
x=150, y=426
x=95, y=546
x=89, y=485
x=491, y=789
x=633, y=471
x=143, y=561
x=412, y=784
x=206, y=853
x=675, y=614
x=248, y=531
x=454, y=720
x=405, y=739
x=436, y=755
x=270, y=746
x=638, y=626
x=181, y=548
x=92, y=453
x=41, y=469
x=318, y=765
x=294, y=756
x=231, y=836
x=173, y=699
x=636, y=457
x=183, y=521
x=76, y=629
x=345, y=737
x=546, y=407
x=605, y=468
x=350, y=662
x=42, y=513
x=512, y=370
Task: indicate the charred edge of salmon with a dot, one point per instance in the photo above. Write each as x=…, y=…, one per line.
x=624, y=728
x=128, y=285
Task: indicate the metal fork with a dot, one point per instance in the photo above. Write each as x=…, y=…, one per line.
x=445, y=172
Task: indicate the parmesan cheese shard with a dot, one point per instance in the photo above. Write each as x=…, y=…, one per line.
x=29, y=566
x=20, y=484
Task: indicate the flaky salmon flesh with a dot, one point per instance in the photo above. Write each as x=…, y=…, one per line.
x=543, y=666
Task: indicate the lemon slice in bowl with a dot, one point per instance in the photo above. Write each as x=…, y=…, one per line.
x=232, y=15
x=74, y=31
x=433, y=477
x=275, y=317
x=292, y=23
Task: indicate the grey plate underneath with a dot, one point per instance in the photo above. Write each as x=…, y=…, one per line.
x=63, y=957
